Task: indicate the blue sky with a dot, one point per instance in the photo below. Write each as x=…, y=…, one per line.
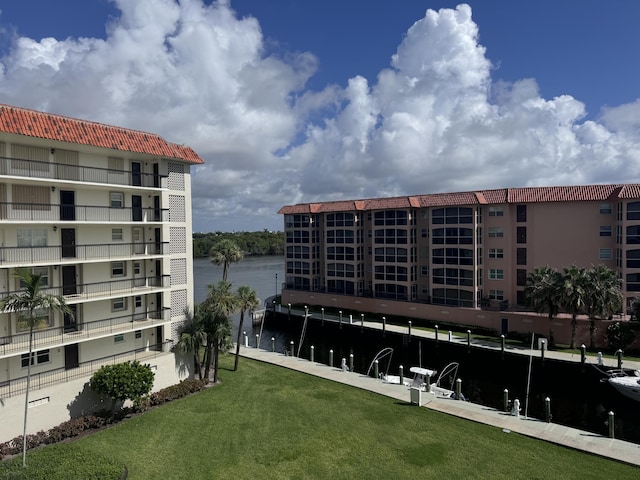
x=296, y=101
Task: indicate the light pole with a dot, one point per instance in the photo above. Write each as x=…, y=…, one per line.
x=276, y=284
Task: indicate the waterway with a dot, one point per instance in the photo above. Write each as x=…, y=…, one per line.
x=578, y=398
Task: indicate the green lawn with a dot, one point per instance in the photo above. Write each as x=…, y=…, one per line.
x=267, y=422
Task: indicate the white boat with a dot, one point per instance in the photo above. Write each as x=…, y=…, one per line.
x=626, y=382
x=442, y=387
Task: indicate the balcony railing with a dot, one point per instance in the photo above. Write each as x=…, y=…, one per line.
x=77, y=332
x=21, y=256
x=17, y=386
x=51, y=212
x=84, y=291
x=58, y=171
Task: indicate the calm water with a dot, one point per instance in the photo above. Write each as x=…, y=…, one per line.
x=578, y=398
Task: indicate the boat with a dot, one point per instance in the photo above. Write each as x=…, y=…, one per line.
x=443, y=386
x=627, y=382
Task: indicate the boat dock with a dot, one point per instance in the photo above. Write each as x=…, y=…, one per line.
x=559, y=434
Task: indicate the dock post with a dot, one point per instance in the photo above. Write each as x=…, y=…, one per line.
x=409, y=330
x=612, y=425
x=459, y=389
x=427, y=383
x=351, y=362
x=384, y=325
x=376, y=370
x=543, y=344
x=257, y=340
x=436, y=333
x=311, y=353
x=331, y=358
x=246, y=339
x=449, y=335
x=401, y=372
x=289, y=311
x=340, y=315
x=273, y=344
x=361, y=321
x=468, y=338
x=600, y=363
x=502, y=345
x=505, y=399
x=350, y=319
x=293, y=352
x=322, y=313
x=583, y=354
x=619, y=355
x=547, y=409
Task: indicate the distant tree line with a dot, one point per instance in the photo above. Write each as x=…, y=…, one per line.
x=251, y=243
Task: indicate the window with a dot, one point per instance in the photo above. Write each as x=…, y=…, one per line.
x=521, y=277
x=424, y=232
x=138, y=301
x=37, y=358
x=118, y=338
x=521, y=256
x=633, y=211
x=424, y=271
x=605, y=230
x=496, y=232
x=44, y=277
x=496, y=294
x=43, y=320
x=138, y=333
x=605, y=208
x=118, y=304
x=633, y=234
x=118, y=269
x=521, y=235
x=32, y=237
x=606, y=254
x=521, y=213
x=116, y=234
x=633, y=258
x=496, y=253
x=116, y=200
x=496, y=211
x=496, y=274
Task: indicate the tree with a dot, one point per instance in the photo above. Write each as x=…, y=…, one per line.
x=192, y=337
x=247, y=300
x=220, y=304
x=123, y=381
x=635, y=310
x=620, y=335
x=603, y=296
x=543, y=291
x=32, y=306
x=224, y=252
x=574, y=295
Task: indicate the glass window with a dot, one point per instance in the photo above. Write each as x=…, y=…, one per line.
x=116, y=234
x=116, y=199
x=521, y=256
x=41, y=356
x=521, y=213
x=118, y=338
x=118, y=304
x=606, y=254
x=496, y=253
x=496, y=232
x=605, y=208
x=633, y=211
x=496, y=274
x=118, y=269
x=605, y=230
x=496, y=211
x=521, y=277
x=496, y=294
x=32, y=237
x=521, y=235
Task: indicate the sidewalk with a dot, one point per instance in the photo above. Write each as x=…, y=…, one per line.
x=586, y=441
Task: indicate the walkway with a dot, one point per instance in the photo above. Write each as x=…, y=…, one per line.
x=561, y=435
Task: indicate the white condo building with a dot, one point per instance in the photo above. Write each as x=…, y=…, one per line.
x=104, y=215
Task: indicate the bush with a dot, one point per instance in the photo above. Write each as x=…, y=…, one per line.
x=620, y=335
x=123, y=381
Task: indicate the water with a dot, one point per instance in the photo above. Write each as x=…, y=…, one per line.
x=578, y=398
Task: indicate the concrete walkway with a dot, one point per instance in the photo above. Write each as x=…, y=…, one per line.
x=561, y=435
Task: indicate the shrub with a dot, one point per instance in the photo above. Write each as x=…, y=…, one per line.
x=123, y=381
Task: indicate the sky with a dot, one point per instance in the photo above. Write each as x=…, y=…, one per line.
x=292, y=101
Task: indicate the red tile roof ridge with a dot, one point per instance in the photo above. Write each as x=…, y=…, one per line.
x=18, y=120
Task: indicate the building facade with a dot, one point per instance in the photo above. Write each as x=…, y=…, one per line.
x=442, y=256
x=104, y=215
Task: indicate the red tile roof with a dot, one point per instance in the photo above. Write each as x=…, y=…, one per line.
x=576, y=193
x=31, y=123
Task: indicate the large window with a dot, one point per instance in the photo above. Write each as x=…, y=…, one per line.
x=452, y=215
x=452, y=236
x=452, y=297
x=605, y=230
x=118, y=269
x=390, y=217
x=633, y=234
x=496, y=294
x=521, y=234
x=340, y=253
x=606, y=254
x=496, y=274
x=44, y=277
x=297, y=252
x=391, y=236
x=116, y=200
x=299, y=268
x=605, y=208
x=297, y=236
x=521, y=277
x=340, y=219
x=633, y=282
x=452, y=256
x=633, y=258
x=32, y=237
x=521, y=256
x=633, y=211
x=521, y=213
x=37, y=358
x=340, y=270
x=496, y=253
x=340, y=236
x=391, y=254
x=496, y=232
x=496, y=211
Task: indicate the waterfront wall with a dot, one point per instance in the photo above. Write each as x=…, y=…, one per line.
x=522, y=322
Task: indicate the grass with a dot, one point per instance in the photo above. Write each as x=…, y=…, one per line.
x=268, y=422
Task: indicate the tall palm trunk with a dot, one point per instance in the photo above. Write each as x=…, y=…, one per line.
x=574, y=328
x=216, y=352
x=235, y=365
x=26, y=400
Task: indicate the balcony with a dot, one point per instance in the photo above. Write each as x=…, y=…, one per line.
x=21, y=256
x=51, y=212
x=18, y=386
x=81, y=332
x=58, y=171
x=115, y=288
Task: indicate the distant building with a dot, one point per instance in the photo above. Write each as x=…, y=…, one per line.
x=458, y=257
x=104, y=215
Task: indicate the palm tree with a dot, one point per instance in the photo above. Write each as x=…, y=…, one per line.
x=247, y=300
x=604, y=296
x=224, y=253
x=192, y=337
x=574, y=295
x=31, y=305
x=217, y=309
x=542, y=291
